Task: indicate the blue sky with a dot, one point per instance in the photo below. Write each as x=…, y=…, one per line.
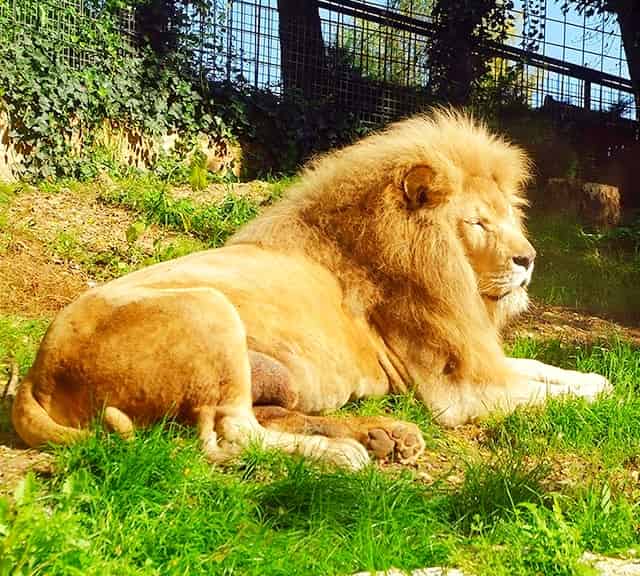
x=599, y=48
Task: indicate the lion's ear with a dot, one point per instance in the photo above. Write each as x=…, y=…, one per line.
x=417, y=186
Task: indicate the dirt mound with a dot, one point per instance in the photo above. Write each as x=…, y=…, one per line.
x=567, y=325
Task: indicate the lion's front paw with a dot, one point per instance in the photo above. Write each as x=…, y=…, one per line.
x=399, y=441
x=592, y=385
x=584, y=385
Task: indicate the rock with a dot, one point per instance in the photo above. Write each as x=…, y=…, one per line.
x=593, y=203
x=11, y=156
x=419, y=572
x=603, y=565
x=612, y=566
x=220, y=155
x=128, y=145
x=11, y=387
x=601, y=204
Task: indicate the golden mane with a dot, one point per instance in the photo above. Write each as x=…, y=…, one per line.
x=407, y=275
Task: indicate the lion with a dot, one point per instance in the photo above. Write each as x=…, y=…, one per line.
x=390, y=267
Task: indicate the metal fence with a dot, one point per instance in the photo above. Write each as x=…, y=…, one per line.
x=376, y=53
x=75, y=25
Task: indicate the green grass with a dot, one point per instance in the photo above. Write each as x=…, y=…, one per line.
x=208, y=222
x=594, y=272
x=155, y=506
x=116, y=261
x=534, y=540
x=113, y=262
x=19, y=338
x=7, y=194
x=493, y=488
x=608, y=429
x=212, y=223
x=278, y=186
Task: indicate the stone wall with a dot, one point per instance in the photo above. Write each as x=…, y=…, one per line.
x=128, y=146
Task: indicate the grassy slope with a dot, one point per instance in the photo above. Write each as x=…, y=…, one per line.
x=527, y=494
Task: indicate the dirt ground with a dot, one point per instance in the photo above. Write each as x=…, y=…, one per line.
x=36, y=281
x=49, y=235
x=571, y=326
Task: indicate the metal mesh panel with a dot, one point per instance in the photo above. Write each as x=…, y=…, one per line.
x=71, y=23
x=376, y=54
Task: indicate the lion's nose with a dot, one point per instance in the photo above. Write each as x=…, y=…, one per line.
x=524, y=260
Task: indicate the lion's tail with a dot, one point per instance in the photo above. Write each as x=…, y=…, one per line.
x=34, y=425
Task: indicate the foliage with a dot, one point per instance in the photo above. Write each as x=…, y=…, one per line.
x=627, y=13
x=51, y=104
x=59, y=89
x=278, y=133
x=504, y=88
x=588, y=7
x=500, y=91
x=386, y=54
x=553, y=543
x=460, y=27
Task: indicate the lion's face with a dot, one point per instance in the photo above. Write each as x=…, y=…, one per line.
x=489, y=224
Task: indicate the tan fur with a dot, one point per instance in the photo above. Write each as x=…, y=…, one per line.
x=391, y=266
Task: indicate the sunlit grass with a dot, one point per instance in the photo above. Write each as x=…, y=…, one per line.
x=155, y=506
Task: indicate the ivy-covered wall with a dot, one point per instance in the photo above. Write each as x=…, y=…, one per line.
x=74, y=93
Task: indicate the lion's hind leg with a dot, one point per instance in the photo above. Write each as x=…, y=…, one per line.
x=241, y=428
x=220, y=394
x=274, y=398
x=237, y=428
x=208, y=436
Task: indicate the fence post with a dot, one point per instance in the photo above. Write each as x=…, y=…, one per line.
x=587, y=94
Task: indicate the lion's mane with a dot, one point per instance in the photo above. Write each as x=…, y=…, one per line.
x=409, y=276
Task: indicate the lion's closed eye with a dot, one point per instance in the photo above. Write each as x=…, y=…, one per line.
x=477, y=222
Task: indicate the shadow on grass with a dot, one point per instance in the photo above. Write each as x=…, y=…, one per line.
x=598, y=273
